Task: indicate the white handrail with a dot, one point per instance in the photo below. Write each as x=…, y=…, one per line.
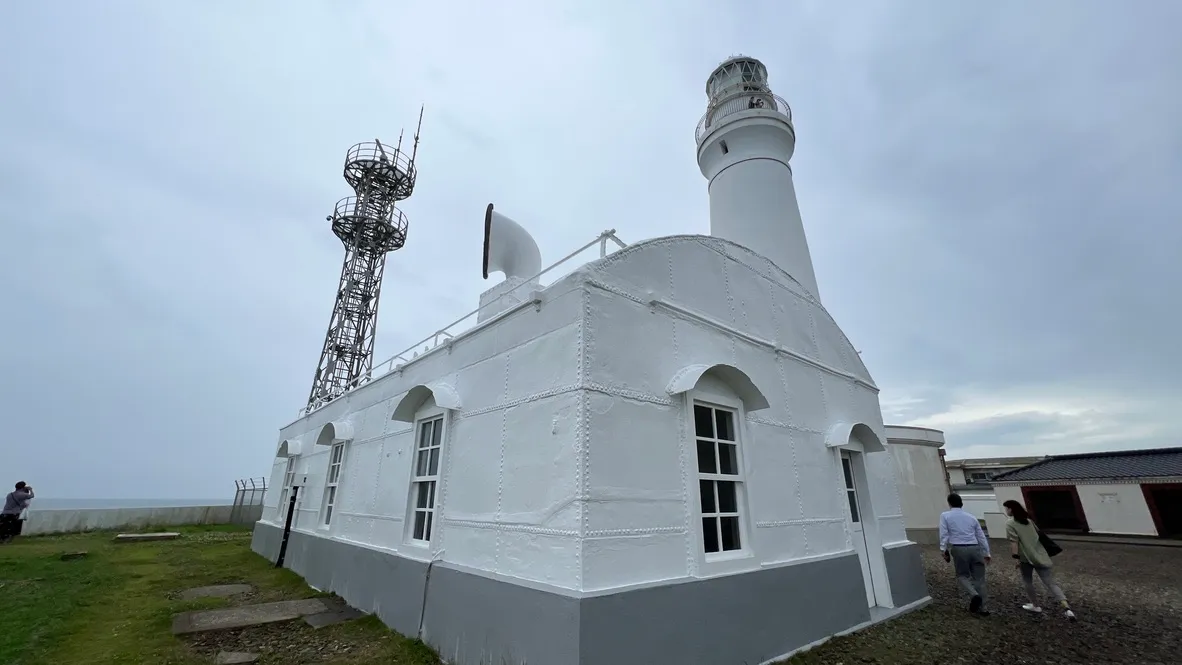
x=601, y=240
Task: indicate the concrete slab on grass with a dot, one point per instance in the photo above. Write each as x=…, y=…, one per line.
x=235, y=658
x=331, y=618
x=216, y=591
x=247, y=615
x=146, y=537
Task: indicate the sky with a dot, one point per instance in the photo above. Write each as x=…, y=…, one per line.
x=990, y=193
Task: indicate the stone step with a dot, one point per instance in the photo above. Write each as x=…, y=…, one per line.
x=146, y=537
x=247, y=615
x=235, y=658
x=333, y=617
x=216, y=591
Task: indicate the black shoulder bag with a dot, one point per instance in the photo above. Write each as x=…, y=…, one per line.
x=1049, y=545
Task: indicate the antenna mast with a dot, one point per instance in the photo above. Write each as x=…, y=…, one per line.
x=369, y=225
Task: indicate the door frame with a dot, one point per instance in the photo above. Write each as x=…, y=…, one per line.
x=876, y=559
x=1071, y=489
x=1151, y=502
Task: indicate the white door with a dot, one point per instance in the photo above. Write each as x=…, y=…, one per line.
x=854, y=514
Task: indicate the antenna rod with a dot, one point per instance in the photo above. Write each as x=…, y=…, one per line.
x=417, y=129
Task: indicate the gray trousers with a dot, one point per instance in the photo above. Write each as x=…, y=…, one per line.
x=1048, y=579
x=969, y=562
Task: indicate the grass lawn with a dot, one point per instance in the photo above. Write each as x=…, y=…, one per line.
x=115, y=606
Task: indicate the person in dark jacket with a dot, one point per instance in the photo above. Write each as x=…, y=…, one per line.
x=14, y=504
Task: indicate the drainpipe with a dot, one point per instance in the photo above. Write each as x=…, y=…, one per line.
x=291, y=509
x=426, y=585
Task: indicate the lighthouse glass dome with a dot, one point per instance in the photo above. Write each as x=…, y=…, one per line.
x=737, y=75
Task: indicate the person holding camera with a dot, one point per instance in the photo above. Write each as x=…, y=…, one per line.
x=14, y=504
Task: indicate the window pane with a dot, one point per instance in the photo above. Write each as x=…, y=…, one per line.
x=702, y=425
x=337, y=451
x=725, y=420
x=849, y=473
x=424, y=495
x=706, y=489
x=427, y=530
x=853, y=499
x=706, y=463
x=730, y=534
x=421, y=458
x=431, y=494
x=728, y=459
x=334, y=473
x=420, y=524
x=425, y=433
x=433, y=465
x=710, y=534
x=437, y=432
x=727, y=502
x=332, y=496
x=328, y=514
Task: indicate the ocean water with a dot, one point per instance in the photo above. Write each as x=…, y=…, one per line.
x=54, y=503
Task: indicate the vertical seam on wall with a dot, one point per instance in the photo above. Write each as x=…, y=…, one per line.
x=373, y=505
x=691, y=561
x=731, y=305
x=795, y=464
x=582, y=431
x=444, y=477
x=819, y=375
x=501, y=466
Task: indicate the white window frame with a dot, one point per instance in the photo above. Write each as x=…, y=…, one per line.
x=332, y=483
x=421, y=475
x=849, y=482
x=285, y=487
x=722, y=560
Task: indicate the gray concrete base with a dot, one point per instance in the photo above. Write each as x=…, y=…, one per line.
x=924, y=536
x=474, y=618
x=904, y=565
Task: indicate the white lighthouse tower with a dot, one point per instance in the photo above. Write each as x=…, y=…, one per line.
x=744, y=143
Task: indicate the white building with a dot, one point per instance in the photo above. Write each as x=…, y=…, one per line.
x=972, y=479
x=672, y=455
x=1121, y=493
x=918, y=457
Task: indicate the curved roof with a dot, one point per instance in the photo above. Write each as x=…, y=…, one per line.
x=697, y=271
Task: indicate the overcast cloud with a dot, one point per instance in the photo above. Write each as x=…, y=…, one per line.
x=991, y=194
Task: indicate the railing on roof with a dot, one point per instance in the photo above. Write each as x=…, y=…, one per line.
x=739, y=102
x=444, y=335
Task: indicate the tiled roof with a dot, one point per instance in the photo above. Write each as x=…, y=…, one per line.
x=1156, y=463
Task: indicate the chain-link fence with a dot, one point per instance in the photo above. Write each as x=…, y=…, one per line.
x=248, y=500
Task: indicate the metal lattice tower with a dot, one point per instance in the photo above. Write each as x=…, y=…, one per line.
x=370, y=226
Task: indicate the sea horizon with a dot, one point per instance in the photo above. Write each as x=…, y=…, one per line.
x=55, y=503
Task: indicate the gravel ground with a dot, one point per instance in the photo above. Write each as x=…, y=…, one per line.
x=1128, y=600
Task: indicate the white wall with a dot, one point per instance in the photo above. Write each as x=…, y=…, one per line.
x=923, y=493
x=1116, y=509
x=978, y=502
x=569, y=461
x=506, y=498
x=794, y=490
x=42, y=522
x=1113, y=509
x=956, y=476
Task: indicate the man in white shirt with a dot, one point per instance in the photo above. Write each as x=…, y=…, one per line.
x=963, y=542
